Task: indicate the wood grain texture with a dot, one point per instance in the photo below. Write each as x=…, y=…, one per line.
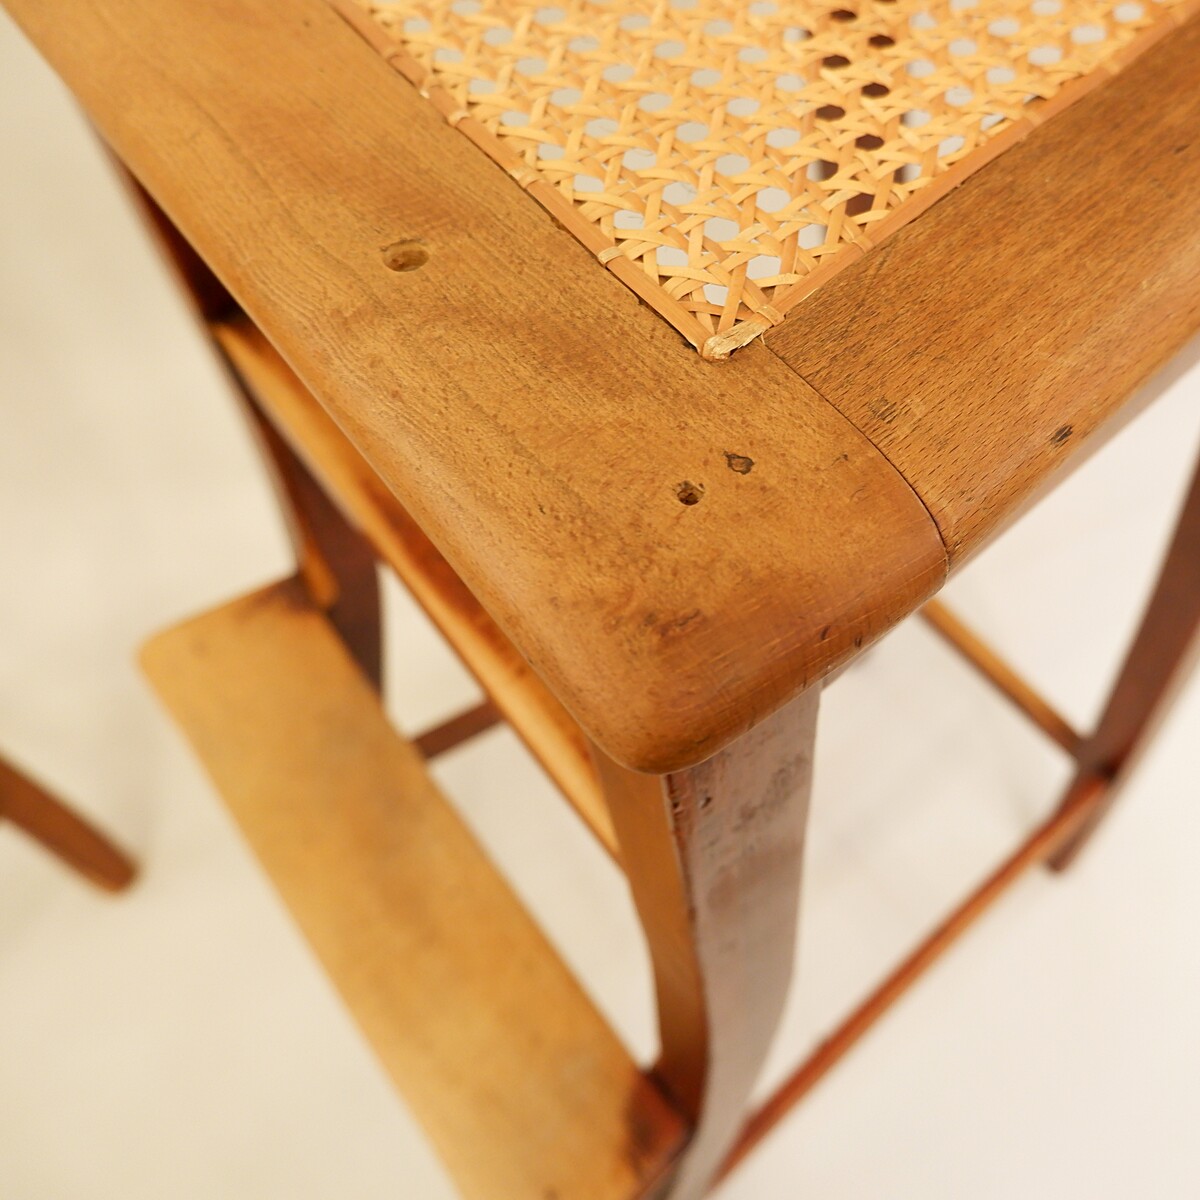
x=541, y=425
x=984, y=345
x=520, y=1084
x=538, y=719
x=714, y=858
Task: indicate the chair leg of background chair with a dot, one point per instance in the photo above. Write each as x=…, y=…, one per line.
x=1163, y=651
x=49, y=821
x=713, y=856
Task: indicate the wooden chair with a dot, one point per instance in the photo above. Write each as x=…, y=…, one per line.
x=510, y=386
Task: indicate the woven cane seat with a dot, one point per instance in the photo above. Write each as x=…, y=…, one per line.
x=725, y=159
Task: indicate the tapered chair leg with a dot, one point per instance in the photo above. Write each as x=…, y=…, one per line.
x=713, y=855
x=1159, y=660
x=61, y=831
x=335, y=561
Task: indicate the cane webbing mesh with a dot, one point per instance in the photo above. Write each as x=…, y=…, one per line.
x=725, y=157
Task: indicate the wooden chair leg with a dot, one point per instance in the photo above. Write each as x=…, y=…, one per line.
x=713, y=856
x=335, y=561
x=1163, y=651
x=64, y=833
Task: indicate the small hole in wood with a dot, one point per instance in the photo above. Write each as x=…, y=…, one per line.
x=869, y=141
x=406, y=255
x=835, y=61
x=876, y=89
x=830, y=112
x=842, y=14
x=688, y=492
x=881, y=40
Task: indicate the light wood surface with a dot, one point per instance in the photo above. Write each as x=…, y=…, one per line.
x=989, y=342
x=714, y=857
x=518, y=1081
x=540, y=426
x=45, y=818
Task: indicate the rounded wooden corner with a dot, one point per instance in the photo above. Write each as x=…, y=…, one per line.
x=676, y=548
x=686, y=682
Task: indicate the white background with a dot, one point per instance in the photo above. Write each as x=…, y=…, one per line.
x=180, y=1041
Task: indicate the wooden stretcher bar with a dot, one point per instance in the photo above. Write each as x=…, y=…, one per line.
x=996, y=671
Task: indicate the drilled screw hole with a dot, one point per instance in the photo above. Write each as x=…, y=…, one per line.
x=405, y=255
x=689, y=492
